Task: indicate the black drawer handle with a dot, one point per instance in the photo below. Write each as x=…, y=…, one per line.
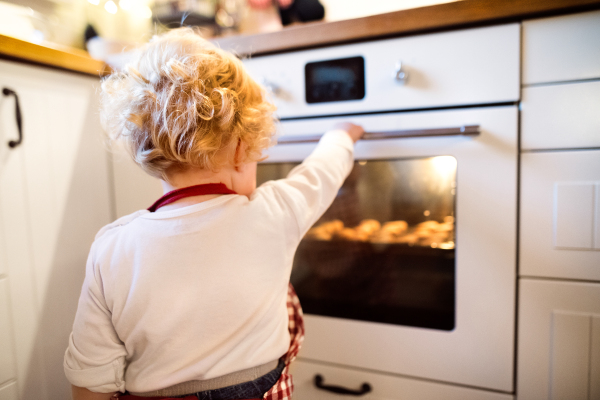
x=365, y=388
x=14, y=143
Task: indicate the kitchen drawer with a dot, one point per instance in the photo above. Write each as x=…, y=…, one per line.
x=561, y=116
x=561, y=48
x=383, y=386
x=559, y=340
x=560, y=214
x=9, y=392
x=475, y=66
x=7, y=358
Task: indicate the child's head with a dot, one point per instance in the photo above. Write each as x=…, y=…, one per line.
x=182, y=102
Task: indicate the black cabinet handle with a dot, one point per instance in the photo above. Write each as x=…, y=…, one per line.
x=14, y=143
x=365, y=388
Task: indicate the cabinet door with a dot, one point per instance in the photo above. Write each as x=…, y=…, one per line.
x=16, y=244
x=65, y=200
x=558, y=340
x=560, y=214
x=562, y=116
x=559, y=49
x=7, y=358
x=66, y=168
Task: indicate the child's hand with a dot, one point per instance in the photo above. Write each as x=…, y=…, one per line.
x=354, y=131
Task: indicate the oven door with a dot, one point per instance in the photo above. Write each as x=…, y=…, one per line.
x=382, y=292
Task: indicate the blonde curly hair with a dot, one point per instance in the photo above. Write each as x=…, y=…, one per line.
x=181, y=102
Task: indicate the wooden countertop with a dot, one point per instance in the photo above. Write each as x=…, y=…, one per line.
x=460, y=14
x=57, y=57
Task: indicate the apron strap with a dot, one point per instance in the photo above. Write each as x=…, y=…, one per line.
x=196, y=190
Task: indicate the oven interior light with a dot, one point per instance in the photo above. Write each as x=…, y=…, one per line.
x=446, y=245
x=444, y=164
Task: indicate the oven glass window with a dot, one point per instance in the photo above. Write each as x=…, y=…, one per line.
x=385, y=249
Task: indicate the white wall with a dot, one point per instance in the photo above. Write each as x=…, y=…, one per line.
x=346, y=9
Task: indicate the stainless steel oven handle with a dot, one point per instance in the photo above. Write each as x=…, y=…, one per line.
x=467, y=130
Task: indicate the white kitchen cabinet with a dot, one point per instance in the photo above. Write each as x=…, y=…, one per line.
x=16, y=248
x=7, y=361
x=560, y=219
x=562, y=116
x=559, y=340
x=564, y=48
x=54, y=196
x=383, y=386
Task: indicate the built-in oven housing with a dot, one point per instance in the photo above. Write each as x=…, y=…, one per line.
x=478, y=350
x=439, y=82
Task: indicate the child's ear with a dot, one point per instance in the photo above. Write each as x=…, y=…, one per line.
x=240, y=154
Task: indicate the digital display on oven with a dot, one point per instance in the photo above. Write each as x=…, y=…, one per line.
x=335, y=80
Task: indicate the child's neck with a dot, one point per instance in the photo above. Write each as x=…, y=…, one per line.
x=192, y=177
x=196, y=176
x=241, y=179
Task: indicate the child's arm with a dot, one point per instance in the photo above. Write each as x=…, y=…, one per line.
x=311, y=187
x=95, y=356
x=80, y=393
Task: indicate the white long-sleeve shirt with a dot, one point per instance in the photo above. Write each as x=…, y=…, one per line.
x=200, y=291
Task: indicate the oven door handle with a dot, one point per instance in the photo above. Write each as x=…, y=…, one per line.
x=467, y=130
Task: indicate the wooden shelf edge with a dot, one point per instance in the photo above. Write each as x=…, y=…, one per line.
x=70, y=60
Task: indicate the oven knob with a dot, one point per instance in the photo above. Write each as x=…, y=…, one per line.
x=401, y=75
x=270, y=86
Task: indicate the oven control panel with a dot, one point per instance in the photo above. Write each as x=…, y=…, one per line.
x=436, y=70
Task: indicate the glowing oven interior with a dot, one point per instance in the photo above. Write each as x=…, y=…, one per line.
x=385, y=250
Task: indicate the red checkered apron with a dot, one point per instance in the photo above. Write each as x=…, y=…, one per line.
x=284, y=387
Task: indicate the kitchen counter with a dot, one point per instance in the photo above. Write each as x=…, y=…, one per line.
x=460, y=14
x=63, y=58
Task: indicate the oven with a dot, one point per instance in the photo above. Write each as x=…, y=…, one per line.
x=408, y=280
